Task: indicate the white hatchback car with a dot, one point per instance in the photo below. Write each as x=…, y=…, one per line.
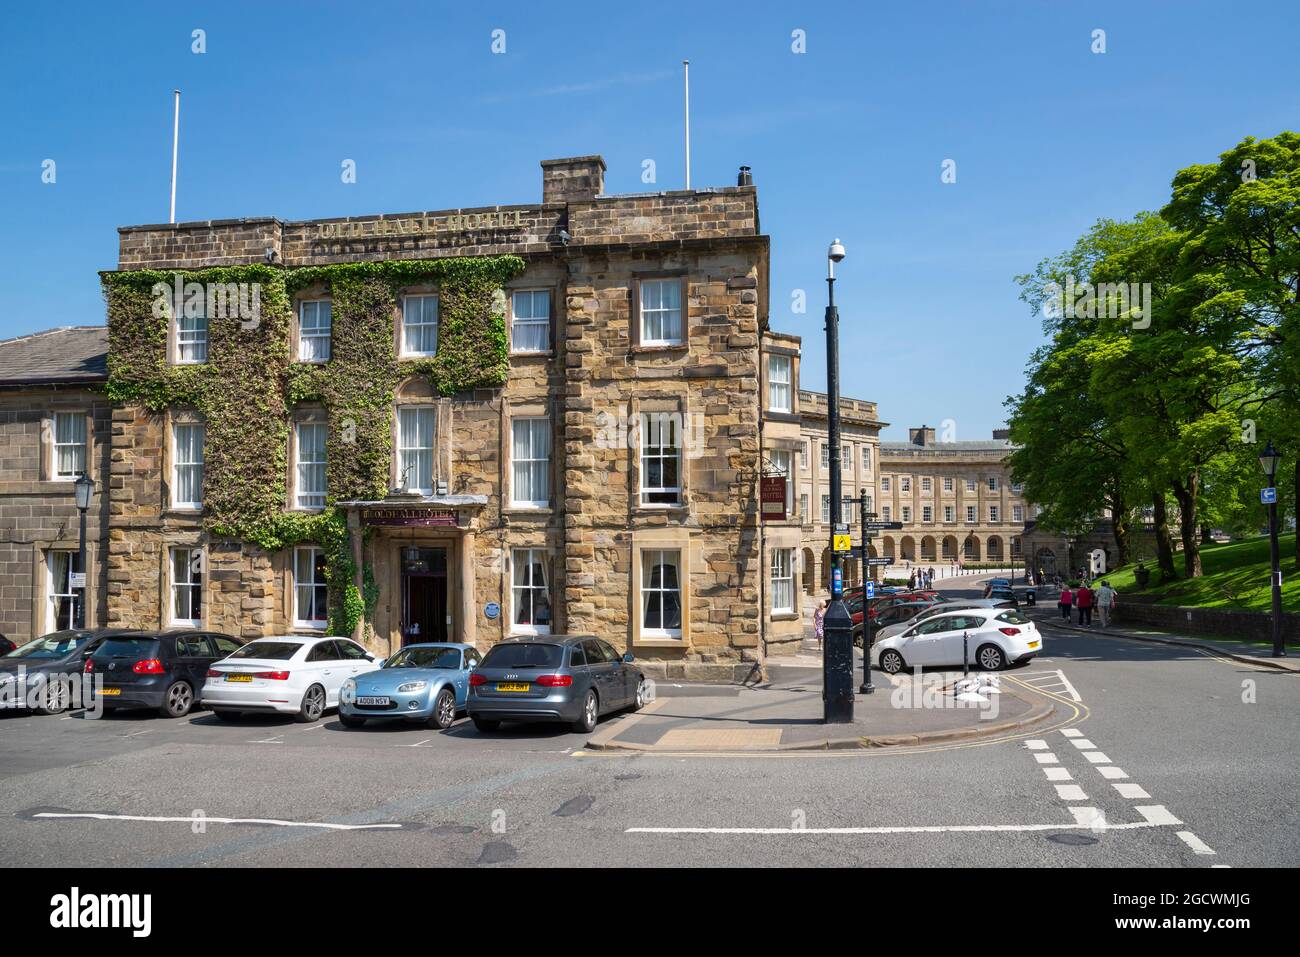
x=995, y=638
x=957, y=604
x=288, y=674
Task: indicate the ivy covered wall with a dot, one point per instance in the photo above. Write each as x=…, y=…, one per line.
x=249, y=387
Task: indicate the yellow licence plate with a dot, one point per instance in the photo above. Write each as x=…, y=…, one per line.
x=513, y=686
x=1033, y=644
x=110, y=691
x=239, y=677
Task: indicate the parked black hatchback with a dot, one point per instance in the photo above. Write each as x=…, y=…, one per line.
x=160, y=670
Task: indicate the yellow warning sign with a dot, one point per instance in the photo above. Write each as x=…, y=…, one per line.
x=842, y=543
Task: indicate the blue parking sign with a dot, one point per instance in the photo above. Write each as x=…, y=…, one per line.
x=869, y=589
x=1268, y=496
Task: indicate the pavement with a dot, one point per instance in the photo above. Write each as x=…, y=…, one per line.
x=1170, y=756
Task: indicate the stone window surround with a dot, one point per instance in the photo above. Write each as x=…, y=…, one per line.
x=508, y=586
x=648, y=404
x=41, y=582
x=551, y=289
x=48, y=460
x=525, y=410
x=777, y=537
x=165, y=578
x=175, y=417
x=415, y=390
x=634, y=311
x=307, y=413
x=655, y=539
x=295, y=326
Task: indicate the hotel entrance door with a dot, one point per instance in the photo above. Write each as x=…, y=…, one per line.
x=424, y=595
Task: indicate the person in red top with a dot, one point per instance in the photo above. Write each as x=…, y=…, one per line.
x=1065, y=601
x=1083, y=598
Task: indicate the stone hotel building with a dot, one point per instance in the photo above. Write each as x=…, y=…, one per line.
x=454, y=425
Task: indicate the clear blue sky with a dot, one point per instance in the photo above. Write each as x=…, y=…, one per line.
x=845, y=140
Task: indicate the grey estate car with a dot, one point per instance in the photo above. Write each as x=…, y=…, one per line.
x=570, y=678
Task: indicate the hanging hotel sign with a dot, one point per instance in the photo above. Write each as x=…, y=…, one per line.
x=423, y=517
x=396, y=228
x=771, y=497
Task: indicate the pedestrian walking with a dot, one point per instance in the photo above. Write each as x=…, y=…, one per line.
x=911, y=581
x=819, y=623
x=1106, y=601
x=1065, y=602
x=1083, y=601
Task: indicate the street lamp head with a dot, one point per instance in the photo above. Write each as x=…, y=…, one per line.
x=836, y=252
x=84, y=490
x=1269, y=459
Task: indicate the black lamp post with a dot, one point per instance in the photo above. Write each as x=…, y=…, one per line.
x=837, y=627
x=1269, y=460
x=84, y=491
x=868, y=634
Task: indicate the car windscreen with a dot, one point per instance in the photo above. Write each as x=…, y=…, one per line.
x=523, y=656
x=1013, y=617
x=142, y=646
x=274, y=650
x=425, y=658
x=56, y=645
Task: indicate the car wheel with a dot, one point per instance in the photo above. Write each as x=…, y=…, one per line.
x=177, y=700
x=350, y=720
x=991, y=658
x=590, y=711
x=313, y=705
x=444, y=710
x=227, y=715
x=486, y=724
x=55, y=698
x=891, y=662
x=642, y=693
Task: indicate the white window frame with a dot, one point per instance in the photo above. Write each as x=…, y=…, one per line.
x=803, y=455
x=925, y=485
x=178, y=465
x=408, y=326
x=866, y=458
x=662, y=314
x=647, y=591
x=653, y=449
x=970, y=485
x=1017, y=513
x=993, y=514
x=780, y=379
x=907, y=515
x=527, y=559
x=536, y=422
x=803, y=508
x=77, y=421
x=54, y=592
x=972, y=515
x=885, y=512
x=884, y=483
x=905, y=483
x=927, y=514
x=826, y=509
x=195, y=338
x=403, y=451
x=316, y=587
x=775, y=456
x=949, y=513
x=530, y=322
x=993, y=483
x=318, y=330
x=825, y=457
x=947, y=484
x=301, y=464
x=782, y=574
x=175, y=586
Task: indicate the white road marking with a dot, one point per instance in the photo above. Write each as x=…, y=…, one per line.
x=193, y=819
x=315, y=727
x=1083, y=744
x=1070, y=792
x=416, y=745
x=136, y=734
x=1129, y=789
x=1072, y=732
x=1047, y=759
x=1058, y=774
x=1096, y=757
x=1156, y=814
x=1092, y=818
x=1195, y=843
x=1051, y=681
x=1111, y=773
x=270, y=740
x=1038, y=744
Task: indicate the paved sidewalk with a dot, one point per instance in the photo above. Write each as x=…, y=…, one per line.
x=904, y=711
x=1239, y=652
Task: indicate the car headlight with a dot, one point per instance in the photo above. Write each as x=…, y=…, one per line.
x=412, y=686
x=348, y=692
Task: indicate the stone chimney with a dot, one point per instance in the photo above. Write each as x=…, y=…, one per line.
x=573, y=178
x=922, y=436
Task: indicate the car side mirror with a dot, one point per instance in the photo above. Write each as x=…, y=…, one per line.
x=628, y=657
x=370, y=657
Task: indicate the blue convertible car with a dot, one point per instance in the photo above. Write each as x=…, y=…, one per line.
x=425, y=683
